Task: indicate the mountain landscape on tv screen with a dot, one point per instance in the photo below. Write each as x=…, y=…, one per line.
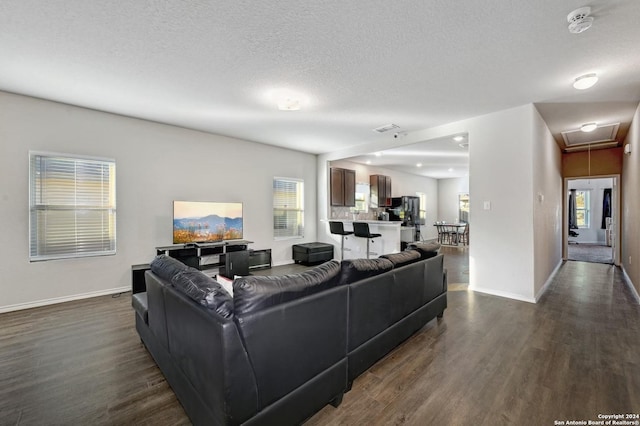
x=206, y=229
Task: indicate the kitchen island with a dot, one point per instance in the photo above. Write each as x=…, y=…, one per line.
x=356, y=247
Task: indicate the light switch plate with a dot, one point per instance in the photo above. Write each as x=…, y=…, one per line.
x=487, y=205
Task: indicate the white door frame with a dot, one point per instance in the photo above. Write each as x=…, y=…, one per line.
x=615, y=194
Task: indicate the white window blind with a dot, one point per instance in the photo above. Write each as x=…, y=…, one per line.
x=72, y=204
x=288, y=208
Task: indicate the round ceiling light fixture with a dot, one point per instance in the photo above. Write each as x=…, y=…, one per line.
x=458, y=138
x=585, y=81
x=579, y=20
x=419, y=165
x=588, y=127
x=289, y=104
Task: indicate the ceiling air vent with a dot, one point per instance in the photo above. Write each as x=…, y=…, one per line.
x=386, y=128
x=603, y=133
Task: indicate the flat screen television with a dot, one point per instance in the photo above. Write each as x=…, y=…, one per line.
x=201, y=221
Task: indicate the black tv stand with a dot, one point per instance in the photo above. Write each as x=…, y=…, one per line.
x=231, y=257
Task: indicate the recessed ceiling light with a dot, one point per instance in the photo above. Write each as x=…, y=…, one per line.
x=450, y=169
x=588, y=127
x=458, y=138
x=585, y=81
x=368, y=161
x=419, y=165
x=378, y=154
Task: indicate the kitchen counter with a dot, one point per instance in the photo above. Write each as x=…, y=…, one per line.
x=356, y=247
x=373, y=222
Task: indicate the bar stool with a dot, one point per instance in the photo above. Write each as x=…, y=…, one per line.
x=338, y=229
x=361, y=229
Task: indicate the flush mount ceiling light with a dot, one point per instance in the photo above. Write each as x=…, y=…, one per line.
x=378, y=154
x=579, y=20
x=419, y=165
x=289, y=104
x=450, y=169
x=286, y=99
x=458, y=138
x=588, y=127
x=585, y=81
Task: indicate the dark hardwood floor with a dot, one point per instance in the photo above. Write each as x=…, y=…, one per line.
x=489, y=361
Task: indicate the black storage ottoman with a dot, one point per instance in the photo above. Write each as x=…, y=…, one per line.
x=312, y=253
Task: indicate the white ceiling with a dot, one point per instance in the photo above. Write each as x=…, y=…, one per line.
x=214, y=66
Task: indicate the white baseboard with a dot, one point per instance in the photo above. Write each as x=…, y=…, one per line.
x=286, y=262
x=55, y=300
x=549, y=280
x=503, y=294
x=630, y=284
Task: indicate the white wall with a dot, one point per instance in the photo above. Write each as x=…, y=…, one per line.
x=448, y=202
x=155, y=164
x=547, y=204
x=594, y=234
x=402, y=184
x=501, y=149
x=500, y=174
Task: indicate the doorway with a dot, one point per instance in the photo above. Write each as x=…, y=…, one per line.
x=592, y=219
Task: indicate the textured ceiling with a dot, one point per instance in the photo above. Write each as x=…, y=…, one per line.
x=215, y=66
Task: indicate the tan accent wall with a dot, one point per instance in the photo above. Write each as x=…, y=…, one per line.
x=630, y=233
x=603, y=162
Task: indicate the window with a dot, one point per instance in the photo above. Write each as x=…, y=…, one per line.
x=582, y=209
x=72, y=206
x=463, y=208
x=288, y=208
x=362, y=197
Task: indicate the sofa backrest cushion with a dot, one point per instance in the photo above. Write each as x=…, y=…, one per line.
x=426, y=250
x=166, y=267
x=403, y=258
x=254, y=293
x=204, y=290
x=352, y=270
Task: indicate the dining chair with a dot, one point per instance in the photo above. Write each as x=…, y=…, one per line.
x=451, y=232
x=463, y=234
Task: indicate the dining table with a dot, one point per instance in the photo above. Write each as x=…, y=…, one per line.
x=450, y=232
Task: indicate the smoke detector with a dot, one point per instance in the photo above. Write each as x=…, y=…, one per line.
x=579, y=20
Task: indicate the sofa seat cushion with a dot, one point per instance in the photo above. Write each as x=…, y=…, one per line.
x=166, y=267
x=403, y=258
x=204, y=290
x=426, y=250
x=254, y=293
x=352, y=270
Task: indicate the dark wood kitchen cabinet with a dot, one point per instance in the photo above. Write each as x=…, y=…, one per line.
x=380, y=191
x=343, y=187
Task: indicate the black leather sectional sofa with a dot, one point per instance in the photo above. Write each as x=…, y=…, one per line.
x=282, y=347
